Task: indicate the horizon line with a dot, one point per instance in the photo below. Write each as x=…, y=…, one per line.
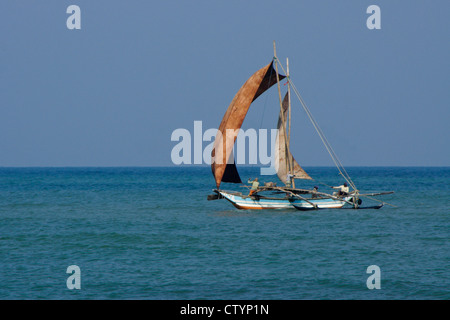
x=208, y=166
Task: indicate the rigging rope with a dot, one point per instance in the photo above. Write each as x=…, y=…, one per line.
x=265, y=101
x=319, y=131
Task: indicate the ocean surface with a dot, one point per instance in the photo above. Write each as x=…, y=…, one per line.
x=150, y=233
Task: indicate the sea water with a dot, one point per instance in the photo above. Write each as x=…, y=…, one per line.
x=150, y=233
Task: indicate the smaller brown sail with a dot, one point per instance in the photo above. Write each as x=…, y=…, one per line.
x=282, y=153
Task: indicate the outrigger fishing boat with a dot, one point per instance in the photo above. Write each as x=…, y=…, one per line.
x=271, y=196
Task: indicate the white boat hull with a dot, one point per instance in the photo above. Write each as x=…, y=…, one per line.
x=248, y=202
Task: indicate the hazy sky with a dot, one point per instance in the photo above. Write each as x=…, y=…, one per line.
x=112, y=93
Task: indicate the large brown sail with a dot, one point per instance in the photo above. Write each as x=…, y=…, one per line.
x=282, y=153
x=222, y=161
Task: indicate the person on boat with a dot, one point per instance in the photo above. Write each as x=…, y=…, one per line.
x=255, y=185
x=314, y=192
x=343, y=190
x=289, y=178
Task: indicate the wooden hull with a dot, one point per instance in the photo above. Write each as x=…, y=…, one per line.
x=255, y=203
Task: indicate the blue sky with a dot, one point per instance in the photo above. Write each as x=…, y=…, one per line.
x=112, y=93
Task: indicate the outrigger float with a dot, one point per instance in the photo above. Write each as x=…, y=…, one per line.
x=288, y=170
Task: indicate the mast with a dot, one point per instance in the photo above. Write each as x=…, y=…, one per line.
x=289, y=125
x=289, y=163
